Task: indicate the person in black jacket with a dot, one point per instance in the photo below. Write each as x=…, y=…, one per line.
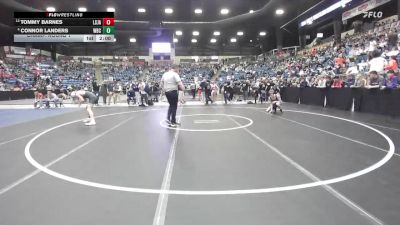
x=103, y=92
x=231, y=90
x=226, y=88
x=263, y=92
x=96, y=89
x=110, y=91
x=245, y=89
x=208, y=92
x=156, y=91
x=255, y=90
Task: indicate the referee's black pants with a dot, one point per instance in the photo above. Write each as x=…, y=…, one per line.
x=208, y=99
x=172, y=97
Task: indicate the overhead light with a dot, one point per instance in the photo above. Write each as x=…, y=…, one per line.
x=110, y=9
x=224, y=11
x=133, y=40
x=50, y=9
x=178, y=33
x=324, y=12
x=251, y=41
x=279, y=12
x=233, y=40
x=141, y=10
x=217, y=33
x=82, y=9
x=213, y=40
x=168, y=10
x=196, y=33
x=176, y=40
x=240, y=33
x=194, y=40
x=198, y=11
x=116, y=57
x=251, y=11
x=115, y=39
x=263, y=33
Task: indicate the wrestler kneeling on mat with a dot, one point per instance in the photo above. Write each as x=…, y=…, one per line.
x=275, y=101
x=82, y=95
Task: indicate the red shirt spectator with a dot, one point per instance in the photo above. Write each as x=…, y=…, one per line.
x=340, y=61
x=313, y=51
x=392, y=64
x=337, y=83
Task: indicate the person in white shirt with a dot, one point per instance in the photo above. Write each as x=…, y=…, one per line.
x=372, y=45
x=52, y=97
x=143, y=94
x=322, y=81
x=353, y=68
x=377, y=63
x=214, y=91
x=170, y=84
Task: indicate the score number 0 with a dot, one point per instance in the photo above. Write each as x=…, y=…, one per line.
x=108, y=21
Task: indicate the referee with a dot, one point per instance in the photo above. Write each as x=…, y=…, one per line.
x=171, y=83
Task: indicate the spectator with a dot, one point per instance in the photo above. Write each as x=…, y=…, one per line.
x=360, y=82
x=392, y=40
x=143, y=94
x=246, y=89
x=392, y=81
x=103, y=92
x=214, y=91
x=377, y=63
x=392, y=66
x=156, y=91
x=207, y=92
x=372, y=46
x=353, y=68
x=193, y=90
x=340, y=61
x=374, y=80
x=110, y=91
x=337, y=82
x=322, y=82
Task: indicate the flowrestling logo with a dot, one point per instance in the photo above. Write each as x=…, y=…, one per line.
x=373, y=14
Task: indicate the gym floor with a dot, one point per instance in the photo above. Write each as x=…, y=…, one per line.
x=232, y=164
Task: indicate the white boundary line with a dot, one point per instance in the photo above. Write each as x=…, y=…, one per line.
x=310, y=175
x=163, y=123
x=325, y=131
x=161, y=210
x=19, y=138
x=331, y=133
x=372, y=124
x=385, y=127
x=34, y=173
x=369, y=169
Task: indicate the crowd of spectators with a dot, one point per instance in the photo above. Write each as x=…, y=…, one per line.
x=21, y=74
x=364, y=60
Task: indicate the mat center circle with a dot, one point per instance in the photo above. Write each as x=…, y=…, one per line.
x=209, y=122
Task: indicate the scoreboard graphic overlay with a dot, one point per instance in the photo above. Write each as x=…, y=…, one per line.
x=64, y=27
